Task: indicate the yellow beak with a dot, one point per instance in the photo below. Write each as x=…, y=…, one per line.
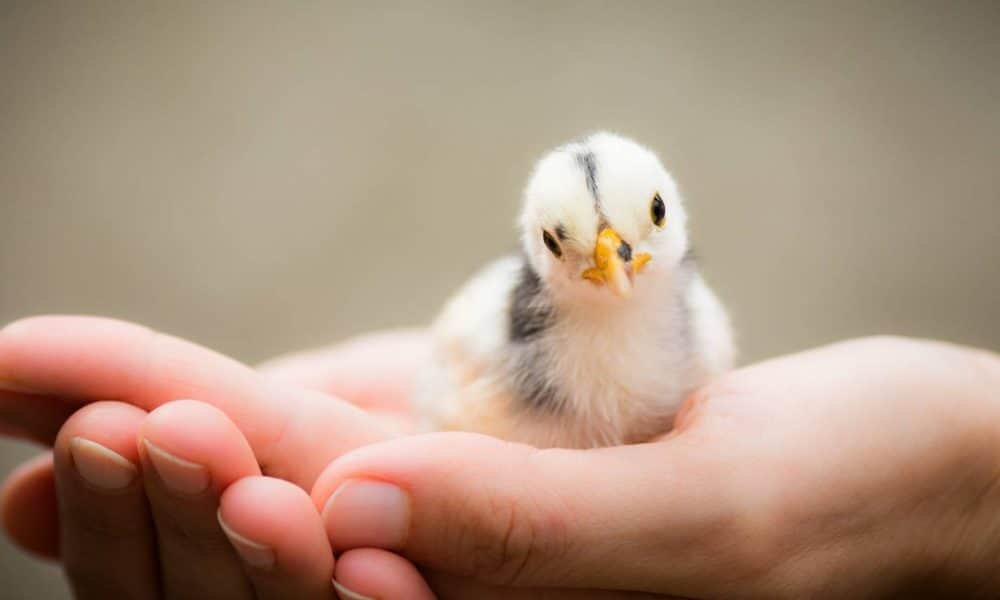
x=613, y=263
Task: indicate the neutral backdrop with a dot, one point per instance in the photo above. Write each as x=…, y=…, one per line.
x=271, y=178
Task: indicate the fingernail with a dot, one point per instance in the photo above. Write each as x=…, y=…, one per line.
x=179, y=475
x=363, y=512
x=345, y=593
x=101, y=467
x=253, y=553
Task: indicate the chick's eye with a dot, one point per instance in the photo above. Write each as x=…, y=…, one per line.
x=551, y=244
x=657, y=211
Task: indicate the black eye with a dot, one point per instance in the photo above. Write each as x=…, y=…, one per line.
x=551, y=244
x=657, y=211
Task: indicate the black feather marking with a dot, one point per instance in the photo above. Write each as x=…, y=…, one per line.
x=625, y=251
x=561, y=232
x=588, y=163
x=530, y=312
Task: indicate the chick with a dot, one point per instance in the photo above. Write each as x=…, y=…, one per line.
x=594, y=334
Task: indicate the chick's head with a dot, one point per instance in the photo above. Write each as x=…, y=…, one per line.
x=601, y=217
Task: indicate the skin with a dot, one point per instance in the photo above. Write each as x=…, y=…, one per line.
x=145, y=540
x=864, y=469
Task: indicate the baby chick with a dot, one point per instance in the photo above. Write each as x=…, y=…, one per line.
x=594, y=334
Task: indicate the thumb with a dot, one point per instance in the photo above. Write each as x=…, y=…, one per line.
x=645, y=517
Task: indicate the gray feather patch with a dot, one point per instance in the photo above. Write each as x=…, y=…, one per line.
x=588, y=163
x=530, y=311
x=531, y=382
x=530, y=316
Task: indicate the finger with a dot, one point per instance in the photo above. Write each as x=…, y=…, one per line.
x=374, y=371
x=277, y=532
x=28, y=508
x=527, y=517
x=86, y=358
x=190, y=453
x=369, y=573
x=107, y=540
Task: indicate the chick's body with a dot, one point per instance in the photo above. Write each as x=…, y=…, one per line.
x=598, y=330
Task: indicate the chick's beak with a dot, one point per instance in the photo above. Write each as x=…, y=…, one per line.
x=614, y=263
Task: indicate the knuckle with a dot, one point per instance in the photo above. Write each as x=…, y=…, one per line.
x=513, y=532
x=197, y=532
x=501, y=552
x=508, y=540
x=93, y=517
x=106, y=527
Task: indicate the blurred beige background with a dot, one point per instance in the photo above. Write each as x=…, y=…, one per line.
x=269, y=178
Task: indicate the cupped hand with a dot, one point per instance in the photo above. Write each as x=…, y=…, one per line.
x=123, y=529
x=856, y=469
x=159, y=497
x=865, y=469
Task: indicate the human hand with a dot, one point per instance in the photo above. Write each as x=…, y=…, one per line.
x=184, y=553
x=124, y=532
x=867, y=468
x=382, y=575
